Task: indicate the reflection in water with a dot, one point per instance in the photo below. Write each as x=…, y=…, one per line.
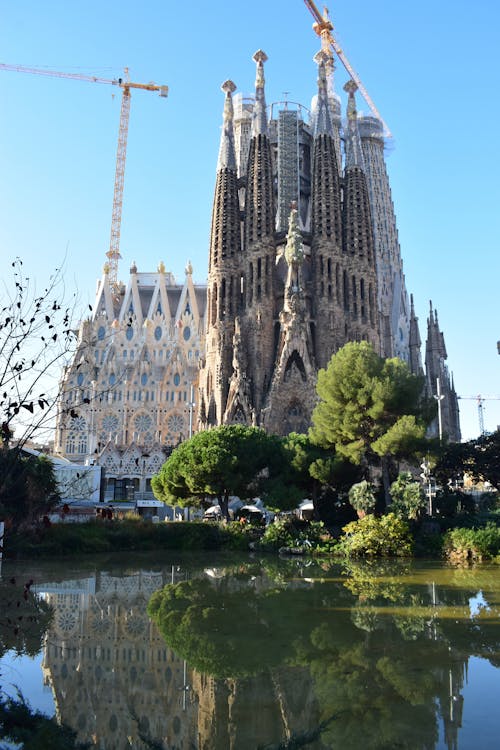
x=271, y=654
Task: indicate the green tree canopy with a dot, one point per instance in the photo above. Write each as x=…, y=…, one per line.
x=28, y=488
x=478, y=457
x=225, y=461
x=370, y=408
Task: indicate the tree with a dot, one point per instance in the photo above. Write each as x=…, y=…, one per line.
x=228, y=460
x=478, y=458
x=371, y=410
x=362, y=498
x=28, y=491
x=408, y=499
x=36, y=338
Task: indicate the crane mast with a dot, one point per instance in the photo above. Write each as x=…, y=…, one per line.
x=113, y=253
x=324, y=29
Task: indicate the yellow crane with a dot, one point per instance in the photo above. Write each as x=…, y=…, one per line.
x=324, y=29
x=125, y=85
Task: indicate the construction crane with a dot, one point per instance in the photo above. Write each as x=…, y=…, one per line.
x=126, y=85
x=324, y=29
x=480, y=408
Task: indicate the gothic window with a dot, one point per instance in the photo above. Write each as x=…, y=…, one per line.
x=345, y=284
x=144, y=378
x=143, y=422
x=186, y=333
x=112, y=379
x=177, y=379
x=110, y=423
x=158, y=333
x=129, y=333
x=175, y=423
x=101, y=332
x=214, y=304
x=78, y=424
x=70, y=443
x=82, y=443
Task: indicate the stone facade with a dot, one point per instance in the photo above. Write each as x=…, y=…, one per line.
x=283, y=299
x=127, y=396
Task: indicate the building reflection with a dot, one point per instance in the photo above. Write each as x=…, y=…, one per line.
x=113, y=678
x=117, y=683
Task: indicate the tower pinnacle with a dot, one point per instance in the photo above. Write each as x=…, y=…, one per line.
x=323, y=121
x=259, y=123
x=354, y=154
x=227, y=157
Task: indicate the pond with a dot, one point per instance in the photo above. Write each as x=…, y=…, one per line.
x=245, y=653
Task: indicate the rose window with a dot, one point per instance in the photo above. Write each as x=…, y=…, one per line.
x=143, y=422
x=175, y=423
x=78, y=424
x=110, y=423
x=66, y=621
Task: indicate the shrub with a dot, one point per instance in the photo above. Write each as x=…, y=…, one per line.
x=362, y=497
x=408, y=500
x=388, y=536
x=473, y=544
x=280, y=534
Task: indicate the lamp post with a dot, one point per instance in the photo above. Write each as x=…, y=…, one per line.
x=426, y=479
x=191, y=406
x=439, y=397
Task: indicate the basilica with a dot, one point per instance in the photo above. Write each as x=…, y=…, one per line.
x=304, y=257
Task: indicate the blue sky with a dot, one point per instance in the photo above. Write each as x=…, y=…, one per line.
x=430, y=67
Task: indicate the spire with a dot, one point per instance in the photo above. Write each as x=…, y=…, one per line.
x=323, y=121
x=414, y=342
x=227, y=157
x=354, y=154
x=259, y=122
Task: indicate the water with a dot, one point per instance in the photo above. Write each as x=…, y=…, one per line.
x=257, y=653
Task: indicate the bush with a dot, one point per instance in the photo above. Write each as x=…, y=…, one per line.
x=281, y=533
x=408, y=500
x=362, y=497
x=388, y=536
x=464, y=545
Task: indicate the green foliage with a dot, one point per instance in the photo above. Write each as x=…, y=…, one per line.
x=282, y=533
x=200, y=621
x=24, y=618
x=28, y=488
x=369, y=406
x=311, y=536
x=473, y=544
x=32, y=730
x=62, y=540
x=225, y=461
x=362, y=497
x=308, y=464
x=408, y=499
x=388, y=536
x=478, y=458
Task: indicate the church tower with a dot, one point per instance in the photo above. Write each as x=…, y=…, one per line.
x=438, y=382
x=224, y=275
x=303, y=238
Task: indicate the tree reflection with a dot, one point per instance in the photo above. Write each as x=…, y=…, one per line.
x=386, y=648
x=24, y=618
